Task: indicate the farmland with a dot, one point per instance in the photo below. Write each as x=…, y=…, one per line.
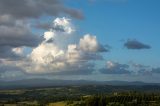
x=91, y=95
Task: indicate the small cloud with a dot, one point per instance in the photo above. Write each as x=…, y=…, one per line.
x=138, y=66
x=7, y=52
x=145, y=72
x=18, y=50
x=63, y=25
x=115, y=68
x=134, y=44
x=89, y=43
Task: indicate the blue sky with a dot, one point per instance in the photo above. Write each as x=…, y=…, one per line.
x=115, y=22
x=80, y=39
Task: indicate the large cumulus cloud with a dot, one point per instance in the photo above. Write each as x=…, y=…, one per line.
x=51, y=57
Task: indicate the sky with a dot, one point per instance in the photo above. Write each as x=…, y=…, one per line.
x=80, y=40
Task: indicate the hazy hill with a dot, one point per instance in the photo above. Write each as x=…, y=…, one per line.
x=30, y=83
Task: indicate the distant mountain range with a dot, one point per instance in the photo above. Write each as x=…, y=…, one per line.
x=35, y=83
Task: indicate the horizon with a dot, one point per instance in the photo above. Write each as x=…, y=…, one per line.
x=105, y=40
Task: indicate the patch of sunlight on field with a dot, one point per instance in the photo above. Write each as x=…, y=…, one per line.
x=9, y=105
x=58, y=104
x=12, y=92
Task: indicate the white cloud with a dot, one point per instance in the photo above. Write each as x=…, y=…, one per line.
x=64, y=25
x=46, y=53
x=49, y=35
x=18, y=50
x=73, y=54
x=89, y=43
x=50, y=57
x=110, y=64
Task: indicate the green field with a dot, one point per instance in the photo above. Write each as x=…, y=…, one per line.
x=81, y=96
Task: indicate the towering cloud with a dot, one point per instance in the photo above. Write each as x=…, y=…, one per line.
x=50, y=57
x=48, y=51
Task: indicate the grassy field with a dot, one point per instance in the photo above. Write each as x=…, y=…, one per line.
x=58, y=104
